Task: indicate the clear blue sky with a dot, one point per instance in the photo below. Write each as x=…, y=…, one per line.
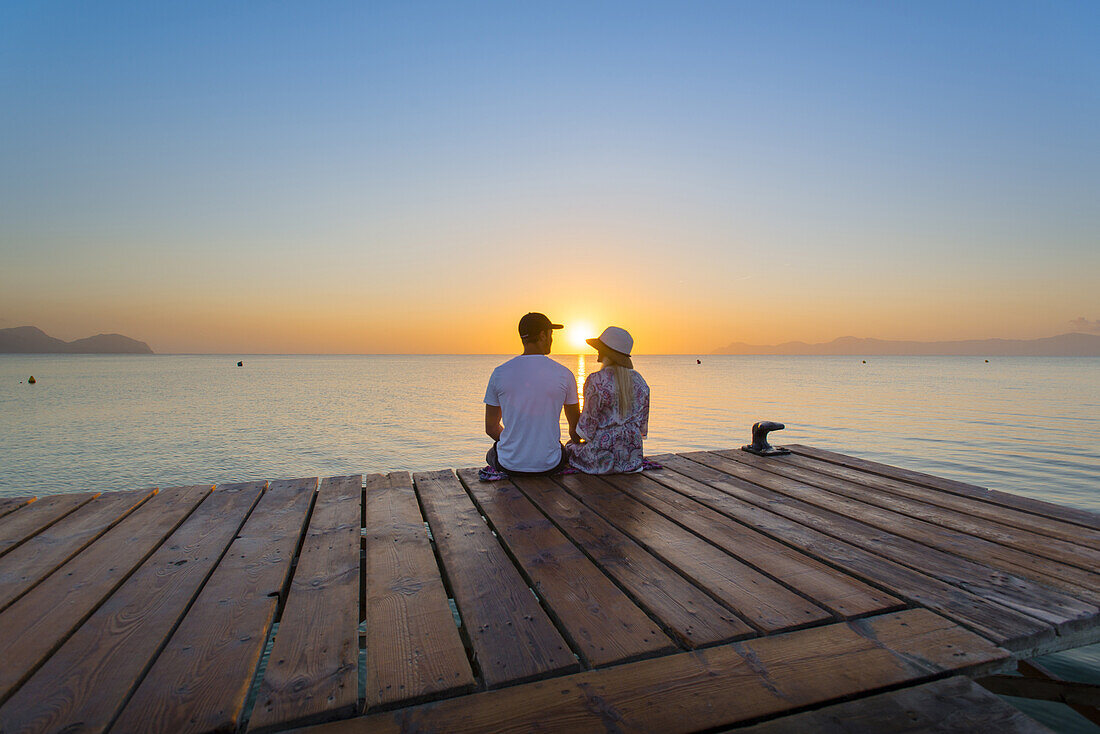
x=362, y=177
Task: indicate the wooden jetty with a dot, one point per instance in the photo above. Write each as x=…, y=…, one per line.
x=808, y=592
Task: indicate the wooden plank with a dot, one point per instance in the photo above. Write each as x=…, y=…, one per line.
x=85, y=683
x=312, y=671
x=601, y=622
x=512, y=637
x=704, y=689
x=742, y=502
x=9, y=505
x=1078, y=582
x=1072, y=693
x=762, y=602
x=41, y=620
x=201, y=679
x=689, y=615
x=969, y=506
x=950, y=706
x=830, y=588
x=1035, y=544
x=1065, y=612
x=1034, y=669
x=1077, y=516
x=18, y=527
x=414, y=651
x=39, y=556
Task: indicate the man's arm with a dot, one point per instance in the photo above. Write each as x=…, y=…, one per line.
x=493, y=426
x=573, y=414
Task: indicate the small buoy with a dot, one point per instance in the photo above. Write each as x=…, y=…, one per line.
x=31, y=380
x=698, y=361
x=240, y=364
x=864, y=361
x=987, y=361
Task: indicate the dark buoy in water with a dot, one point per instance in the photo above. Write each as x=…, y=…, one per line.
x=31, y=380
x=864, y=361
x=987, y=361
x=698, y=361
x=240, y=364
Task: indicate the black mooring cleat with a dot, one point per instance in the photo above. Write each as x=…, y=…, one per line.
x=760, y=445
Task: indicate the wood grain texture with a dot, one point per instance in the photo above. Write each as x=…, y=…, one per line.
x=968, y=506
x=41, y=620
x=710, y=688
x=200, y=680
x=950, y=706
x=18, y=527
x=1074, y=515
x=692, y=617
x=742, y=502
x=9, y=505
x=512, y=638
x=312, y=672
x=602, y=622
x=1066, y=613
x=876, y=493
x=39, y=556
x=765, y=604
x=414, y=651
x=1078, y=582
x=832, y=589
x=85, y=683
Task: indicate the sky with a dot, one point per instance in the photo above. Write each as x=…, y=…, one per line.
x=412, y=177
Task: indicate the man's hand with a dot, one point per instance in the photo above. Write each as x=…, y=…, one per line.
x=573, y=414
x=493, y=427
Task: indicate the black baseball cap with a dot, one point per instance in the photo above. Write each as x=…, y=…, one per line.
x=534, y=323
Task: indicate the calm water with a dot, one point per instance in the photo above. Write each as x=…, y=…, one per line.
x=1026, y=425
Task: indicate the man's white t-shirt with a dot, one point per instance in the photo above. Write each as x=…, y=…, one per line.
x=531, y=390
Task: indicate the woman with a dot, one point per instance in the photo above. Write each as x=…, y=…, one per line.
x=615, y=418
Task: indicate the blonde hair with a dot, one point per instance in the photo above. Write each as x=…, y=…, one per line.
x=624, y=386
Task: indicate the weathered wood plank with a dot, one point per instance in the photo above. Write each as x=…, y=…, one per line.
x=1078, y=582
x=1065, y=612
x=1074, y=515
x=688, y=614
x=830, y=588
x=85, y=683
x=969, y=506
x=18, y=527
x=603, y=624
x=312, y=671
x=709, y=688
x=9, y=505
x=951, y=706
x=742, y=502
x=512, y=637
x=414, y=651
x=1034, y=669
x=39, y=556
x=1072, y=693
x=41, y=620
x=200, y=680
x=763, y=603
x=1034, y=544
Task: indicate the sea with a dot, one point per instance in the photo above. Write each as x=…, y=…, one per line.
x=1029, y=425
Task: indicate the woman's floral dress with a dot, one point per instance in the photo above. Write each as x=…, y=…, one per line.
x=613, y=442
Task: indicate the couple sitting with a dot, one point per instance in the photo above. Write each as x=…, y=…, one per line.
x=528, y=393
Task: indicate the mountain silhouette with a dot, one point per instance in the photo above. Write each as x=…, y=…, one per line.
x=32, y=340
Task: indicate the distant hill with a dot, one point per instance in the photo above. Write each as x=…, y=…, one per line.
x=1065, y=345
x=32, y=340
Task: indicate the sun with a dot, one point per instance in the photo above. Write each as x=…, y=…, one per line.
x=577, y=333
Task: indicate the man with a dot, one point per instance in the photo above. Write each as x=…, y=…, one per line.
x=528, y=393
